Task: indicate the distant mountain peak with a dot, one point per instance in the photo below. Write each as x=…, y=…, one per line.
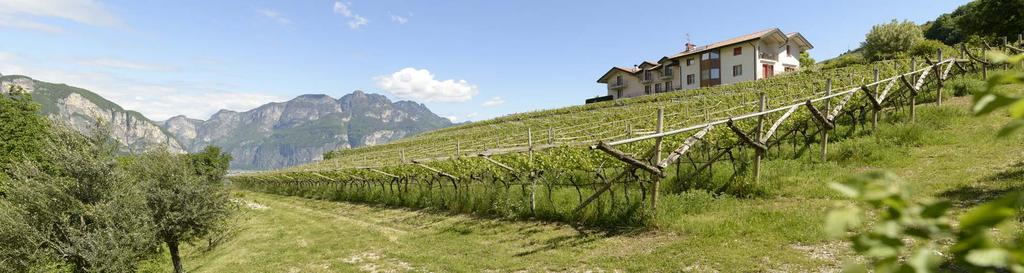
x=300, y=130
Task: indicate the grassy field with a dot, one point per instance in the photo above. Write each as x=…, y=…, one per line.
x=946, y=153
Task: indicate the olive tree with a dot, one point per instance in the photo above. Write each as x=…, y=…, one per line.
x=72, y=209
x=891, y=40
x=183, y=206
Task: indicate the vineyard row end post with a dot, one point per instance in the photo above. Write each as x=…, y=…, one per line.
x=874, y=117
x=657, y=158
x=824, y=131
x=533, y=179
x=759, y=135
x=913, y=94
x=938, y=77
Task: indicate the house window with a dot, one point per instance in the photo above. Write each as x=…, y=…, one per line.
x=704, y=75
x=668, y=86
x=689, y=61
x=667, y=71
x=737, y=70
x=789, y=69
x=689, y=79
x=787, y=51
x=618, y=94
x=647, y=75
x=647, y=89
x=737, y=51
x=715, y=74
x=657, y=88
x=714, y=54
x=618, y=80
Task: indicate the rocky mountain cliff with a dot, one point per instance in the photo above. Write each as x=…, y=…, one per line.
x=301, y=130
x=81, y=109
x=271, y=136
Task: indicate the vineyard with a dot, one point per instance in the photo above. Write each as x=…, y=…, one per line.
x=604, y=163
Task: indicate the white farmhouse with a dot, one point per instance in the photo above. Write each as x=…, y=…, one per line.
x=749, y=57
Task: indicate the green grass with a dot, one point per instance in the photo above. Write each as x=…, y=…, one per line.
x=946, y=153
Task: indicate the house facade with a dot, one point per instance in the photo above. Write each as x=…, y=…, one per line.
x=754, y=56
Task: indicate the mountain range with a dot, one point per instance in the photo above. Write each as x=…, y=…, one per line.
x=273, y=135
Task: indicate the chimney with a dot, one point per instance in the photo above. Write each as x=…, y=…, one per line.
x=690, y=46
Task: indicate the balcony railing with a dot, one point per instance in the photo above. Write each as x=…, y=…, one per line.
x=616, y=85
x=768, y=56
x=665, y=74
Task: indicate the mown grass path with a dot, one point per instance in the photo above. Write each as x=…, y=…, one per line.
x=946, y=153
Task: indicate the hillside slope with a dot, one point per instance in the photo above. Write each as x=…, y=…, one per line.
x=946, y=153
x=81, y=109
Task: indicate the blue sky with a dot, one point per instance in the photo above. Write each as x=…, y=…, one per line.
x=469, y=60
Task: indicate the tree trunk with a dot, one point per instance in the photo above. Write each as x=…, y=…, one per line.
x=175, y=257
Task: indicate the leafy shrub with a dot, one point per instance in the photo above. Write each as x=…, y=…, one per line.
x=848, y=59
x=965, y=86
x=929, y=48
x=890, y=40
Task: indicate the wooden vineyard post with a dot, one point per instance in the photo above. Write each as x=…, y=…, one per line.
x=984, y=66
x=403, y=155
x=760, y=137
x=458, y=148
x=938, y=76
x=874, y=117
x=824, y=131
x=913, y=95
x=551, y=136
x=533, y=180
x=657, y=158
x=629, y=130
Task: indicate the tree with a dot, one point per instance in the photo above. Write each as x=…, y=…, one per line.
x=183, y=205
x=805, y=59
x=992, y=18
x=211, y=163
x=72, y=210
x=891, y=40
x=22, y=130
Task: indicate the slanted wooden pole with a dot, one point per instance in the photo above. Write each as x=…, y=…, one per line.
x=657, y=158
x=762, y=104
x=824, y=131
x=874, y=117
x=913, y=95
x=938, y=77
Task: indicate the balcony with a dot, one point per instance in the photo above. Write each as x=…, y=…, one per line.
x=616, y=85
x=665, y=76
x=768, y=56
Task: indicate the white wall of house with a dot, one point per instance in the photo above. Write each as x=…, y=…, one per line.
x=784, y=58
x=693, y=69
x=633, y=87
x=745, y=60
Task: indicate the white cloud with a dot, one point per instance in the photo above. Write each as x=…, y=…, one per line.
x=419, y=84
x=355, y=20
x=472, y=115
x=155, y=100
x=88, y=12
x=399, y=19
x=452, y=118
x=8, y=21
x=274, y=16
x=495, y=101
x=125, y=64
